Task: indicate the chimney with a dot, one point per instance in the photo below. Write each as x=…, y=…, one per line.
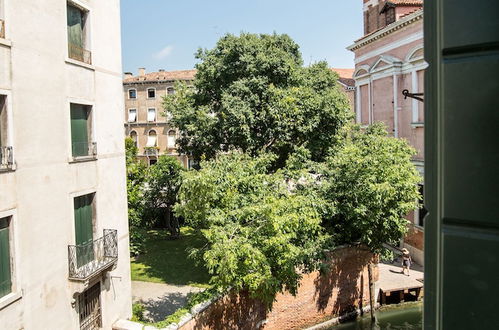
x=371, y=15
x=142, y=72
x=128, y=75
x=161, y=70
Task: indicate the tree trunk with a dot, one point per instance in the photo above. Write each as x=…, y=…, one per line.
x=371, y=290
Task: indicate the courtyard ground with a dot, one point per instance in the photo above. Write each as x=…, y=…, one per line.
x=164, y=276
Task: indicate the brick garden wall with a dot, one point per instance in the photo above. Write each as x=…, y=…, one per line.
x=320, y=298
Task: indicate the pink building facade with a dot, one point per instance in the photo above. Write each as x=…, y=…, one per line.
x=389, y=59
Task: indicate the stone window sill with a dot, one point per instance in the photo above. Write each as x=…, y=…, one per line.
x=82, y=159
x=80, y=64
x=10, y=299
x=5, y=42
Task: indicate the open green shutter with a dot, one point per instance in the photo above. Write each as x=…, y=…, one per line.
x=83, y=229
x=5, y=276
x=79, y=130
x=75, y=27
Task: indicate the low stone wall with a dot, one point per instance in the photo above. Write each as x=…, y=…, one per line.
x=345, y=288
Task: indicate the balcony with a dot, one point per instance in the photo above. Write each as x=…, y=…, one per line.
x=84, y=150
x=79, y=54
x=2, y=28
x=6, y=158
x=88, y=260
x=151, y=151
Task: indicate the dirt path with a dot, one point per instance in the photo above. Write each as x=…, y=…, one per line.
x=160, y=300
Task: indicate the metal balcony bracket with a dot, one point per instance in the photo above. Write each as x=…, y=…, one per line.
x=416, y=96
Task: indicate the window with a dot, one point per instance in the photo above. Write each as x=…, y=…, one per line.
x=5, y=268
x=171, y=139
x=132, y=115
x=84, y=229
x=81, y=131
x=151, y=139
x=6, y=151
x=132, y=93
x=89, y=308
x=170, y=91
x=133, y=136
x=77, y=34
x=151, y=114
x=2, y=22
x=151, y=93
x=152, y=161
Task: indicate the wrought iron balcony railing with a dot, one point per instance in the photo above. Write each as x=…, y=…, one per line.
x=151, y=151
x=84, y=149
x=2, y=28
x=6, y=158
x=79, y=54
x=92, y=258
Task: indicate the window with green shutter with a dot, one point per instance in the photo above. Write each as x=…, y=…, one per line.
x=80, y=130
x=83, y=214
x=5, y=270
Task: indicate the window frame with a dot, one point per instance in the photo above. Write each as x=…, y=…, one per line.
x=15, y=277
x=8, y=126
x=128, y=93
x=86, y=30
x=168, y=145
x=155, y=115
x=148, y=135
x=170, y=88
x=90, y=131
x=151, y=89
x=137, y=137
x=136, y=115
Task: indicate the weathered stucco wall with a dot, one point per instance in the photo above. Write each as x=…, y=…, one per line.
x=319, y=298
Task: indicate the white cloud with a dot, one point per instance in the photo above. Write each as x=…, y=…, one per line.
x=165, y=52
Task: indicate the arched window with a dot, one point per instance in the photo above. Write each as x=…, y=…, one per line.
x=172, y=139
x=133, y=136
x=152, y=140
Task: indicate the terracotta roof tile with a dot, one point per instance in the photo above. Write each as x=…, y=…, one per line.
x=162, y=76
x=406, y=2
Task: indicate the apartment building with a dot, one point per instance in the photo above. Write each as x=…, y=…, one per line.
x=64, y=256
x=145, y=119
x=389, y=59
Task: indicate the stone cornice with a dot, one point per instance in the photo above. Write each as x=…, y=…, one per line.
x=409, y=19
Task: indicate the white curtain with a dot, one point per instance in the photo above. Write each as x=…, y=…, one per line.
x=171, y=139
x=132, y=116
x=151, y=115
x=151, y=140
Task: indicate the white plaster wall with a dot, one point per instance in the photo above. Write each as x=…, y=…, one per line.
x=41, y=189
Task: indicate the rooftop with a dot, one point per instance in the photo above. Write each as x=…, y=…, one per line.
x=162, y=76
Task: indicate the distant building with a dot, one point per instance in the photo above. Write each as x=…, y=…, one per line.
x=389, y=58
x=64, y=255
x=145, y=122
x=348, y=83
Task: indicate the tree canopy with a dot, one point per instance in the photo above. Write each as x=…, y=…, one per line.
x=369, y=185
x=253, y=94
x=259, y=234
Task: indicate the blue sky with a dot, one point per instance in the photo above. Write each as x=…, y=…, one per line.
x=165, y=34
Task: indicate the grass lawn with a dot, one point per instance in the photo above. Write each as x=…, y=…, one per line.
x=167, y=261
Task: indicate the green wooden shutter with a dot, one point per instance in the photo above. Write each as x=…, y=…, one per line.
x=84, y=229
x=5, y=276
x=79, y=130
x=462, y=161
x=75, y=26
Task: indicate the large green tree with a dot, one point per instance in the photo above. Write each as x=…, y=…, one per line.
x=369, y=185
x=252, y=93
x=162, y=183
x=260, y=235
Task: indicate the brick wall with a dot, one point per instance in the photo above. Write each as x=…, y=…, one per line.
x=320, y=297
